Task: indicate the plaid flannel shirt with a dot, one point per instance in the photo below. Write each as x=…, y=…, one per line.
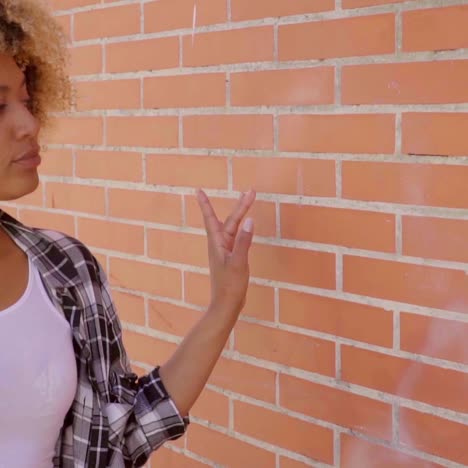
x=116, y=419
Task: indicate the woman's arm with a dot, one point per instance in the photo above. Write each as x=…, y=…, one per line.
x=144, y=413
x=188, y=370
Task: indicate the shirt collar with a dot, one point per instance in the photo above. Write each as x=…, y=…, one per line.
x=57, y=268
x=58, y=271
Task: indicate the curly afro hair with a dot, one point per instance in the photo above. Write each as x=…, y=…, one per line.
x=32, y=37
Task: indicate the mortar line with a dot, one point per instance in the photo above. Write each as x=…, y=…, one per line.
x=304, y=17
x=396, y=330
x=395, y=424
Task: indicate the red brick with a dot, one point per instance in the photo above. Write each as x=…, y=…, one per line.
x=130, y=308
x=435, y=134
x=351, y=228
x=86, y=60
x=141, y=55
x=76, y=130
x=222, y=447
x=194, y=90
x=165, y=208
x=405, y=378
x=435, y=337
x=434, y=435
x=109, y=165
x=415, y=184
x=357, y=453
x=146, y=349
x=75, y=197
x=435, y=28
x=57, y=162
x=168, y=458
x=303, y=87
x=143, y=131
x=345, y=409
x=358, y=133
x=145, y=277
x=440, y=288
x=107, y=22
x=440, y=238
x=163, y=15
x=105, y=234
x=113, y=94
x=260, y=302
x=301, y=437
x=298, y=266
x=225, y=47
x=359, y=36
x=350, y=320
x=243, y=378
x=291, y=349
x=48, y=220
x=169, y=318
x=178, y=247
x=288, y=463
x=212, y=407
x=229, y=131
x=187, y=171
x=406, y=83
x=246, y=10
x=313, y=177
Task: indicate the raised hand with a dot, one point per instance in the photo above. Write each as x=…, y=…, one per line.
x=228, y=252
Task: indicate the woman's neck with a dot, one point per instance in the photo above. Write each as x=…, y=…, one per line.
x=7, y=246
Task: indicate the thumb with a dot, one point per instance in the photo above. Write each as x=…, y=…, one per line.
x=240, y=252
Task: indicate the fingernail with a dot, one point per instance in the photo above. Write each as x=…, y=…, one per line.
x=248, y=225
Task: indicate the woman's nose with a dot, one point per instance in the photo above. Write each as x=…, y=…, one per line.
x=26, y=125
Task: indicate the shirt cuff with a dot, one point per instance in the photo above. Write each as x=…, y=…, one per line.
x=168, y=415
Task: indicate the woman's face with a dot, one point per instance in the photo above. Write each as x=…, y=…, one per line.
x=19, y=129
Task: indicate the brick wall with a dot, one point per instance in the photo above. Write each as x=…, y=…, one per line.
x=350, y=118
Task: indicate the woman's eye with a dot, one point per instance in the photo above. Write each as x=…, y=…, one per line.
x=26, y=102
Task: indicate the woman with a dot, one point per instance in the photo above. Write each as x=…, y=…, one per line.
x=67, y=395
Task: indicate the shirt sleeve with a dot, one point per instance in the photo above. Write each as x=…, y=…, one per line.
x=142, y=415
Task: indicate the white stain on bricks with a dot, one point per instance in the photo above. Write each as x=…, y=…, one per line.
x=300, y=181
x=437, y=341
x=395, y=85
x=194, y=23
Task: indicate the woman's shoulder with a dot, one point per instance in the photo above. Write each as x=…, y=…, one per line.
x=64, y=242
x=72, y=248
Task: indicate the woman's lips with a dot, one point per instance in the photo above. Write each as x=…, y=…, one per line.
x=29, y=161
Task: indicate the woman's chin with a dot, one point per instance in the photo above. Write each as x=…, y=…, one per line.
x=24, y=185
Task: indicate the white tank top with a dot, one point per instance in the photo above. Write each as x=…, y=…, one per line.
x=38, y=377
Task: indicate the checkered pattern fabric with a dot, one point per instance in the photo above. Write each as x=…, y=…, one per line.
x=117, y=419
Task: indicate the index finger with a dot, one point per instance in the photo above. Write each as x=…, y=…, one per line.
x=212, y=223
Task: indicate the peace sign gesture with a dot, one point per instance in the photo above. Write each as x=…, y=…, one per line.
x=228, y=251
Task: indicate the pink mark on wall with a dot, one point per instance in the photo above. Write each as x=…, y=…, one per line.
x=194, y=23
